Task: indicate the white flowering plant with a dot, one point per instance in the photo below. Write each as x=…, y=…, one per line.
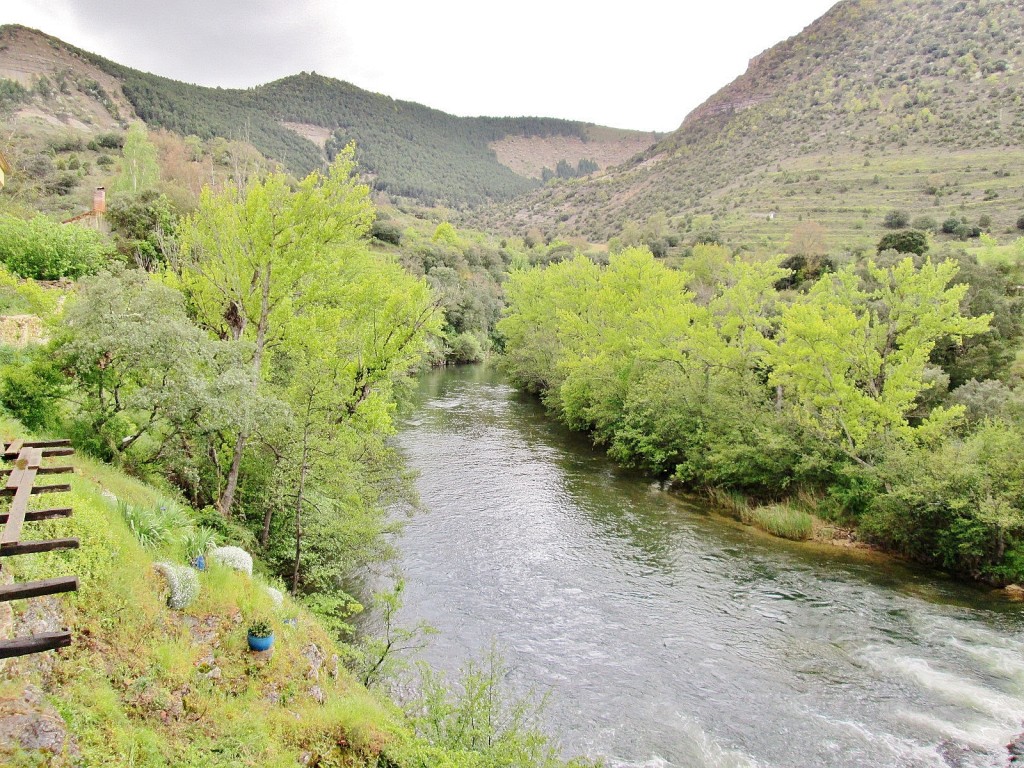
x=183, y=583
x=233, y=557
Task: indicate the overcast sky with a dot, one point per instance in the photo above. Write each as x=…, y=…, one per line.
x=635, y=64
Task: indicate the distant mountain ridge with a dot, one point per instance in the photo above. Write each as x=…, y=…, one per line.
x=407, y=149
x=908, y=104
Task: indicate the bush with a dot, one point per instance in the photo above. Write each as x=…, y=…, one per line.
x=43, y=249
x=896, y=220
x=183, y=583
x=464, y=348
x=966, y=232
x=1020, y=223
x=386, y=232
x=67, y=143
x=904, y=241
x=108, y=141
x=950, y=225
x=925, y=224
x=781, y=520
x=233, y=557
x=261, y=628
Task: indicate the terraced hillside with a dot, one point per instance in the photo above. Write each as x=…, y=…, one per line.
x=914, y=105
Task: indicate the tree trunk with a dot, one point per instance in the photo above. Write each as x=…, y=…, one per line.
x=227, y=498
x=298, y=509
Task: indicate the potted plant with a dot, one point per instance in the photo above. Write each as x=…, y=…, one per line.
x=261, y=635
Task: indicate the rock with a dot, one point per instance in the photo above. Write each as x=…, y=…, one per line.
x=108, y=496
x=204, y=631
x=1015, y=591
x=316, y=692
x=31, y=724
x=333, y=668
x=316, y=659
x=1016, y=750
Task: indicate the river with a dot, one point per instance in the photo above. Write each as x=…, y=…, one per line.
x=669, y=636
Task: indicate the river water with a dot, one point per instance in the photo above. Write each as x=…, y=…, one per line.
x=669, y=636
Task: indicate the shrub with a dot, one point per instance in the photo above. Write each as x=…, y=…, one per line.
x=386, y=232
x=925, y=224
x=950, y=225
x=904, y=241
x=67, y=143
x=896, y=220
x=183, y=583
x=464, y=348
x=43, y=249
x=233, y=557
x=108, y=141
x=1020, y=223
x=965, y=231
x=781, y=520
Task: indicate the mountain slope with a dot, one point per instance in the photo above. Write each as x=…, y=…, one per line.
x=911, y=104
x=407, y=149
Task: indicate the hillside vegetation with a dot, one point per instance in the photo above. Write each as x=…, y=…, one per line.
x=912, y=104
x=404, y=148
x=149, y=681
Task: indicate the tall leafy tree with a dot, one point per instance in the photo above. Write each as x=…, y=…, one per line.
x=139, y=168
x=851, y=357
x=254, y=260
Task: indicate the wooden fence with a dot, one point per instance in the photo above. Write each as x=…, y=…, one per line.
x=20, y=486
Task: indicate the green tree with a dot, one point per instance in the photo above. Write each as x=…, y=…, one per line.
x=851, y=356
x=139, y=167
x=140, y=367
x=255, y=260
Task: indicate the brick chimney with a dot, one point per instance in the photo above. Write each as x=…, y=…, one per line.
x=99, y=200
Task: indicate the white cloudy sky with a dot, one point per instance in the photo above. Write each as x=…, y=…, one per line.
x=632, y=64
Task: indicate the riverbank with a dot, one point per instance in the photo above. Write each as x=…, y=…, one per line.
x=159, y=671
x=664, y=632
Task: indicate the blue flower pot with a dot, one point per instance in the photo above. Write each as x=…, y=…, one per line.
x=260, y=643
x=200, y=563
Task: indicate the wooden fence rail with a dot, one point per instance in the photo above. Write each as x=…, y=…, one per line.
x=19, y=484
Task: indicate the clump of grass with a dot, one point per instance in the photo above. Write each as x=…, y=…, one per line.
x=732, y=502
x=150, y=529
x=781, y=520
x=156, y=526
x=198, y=541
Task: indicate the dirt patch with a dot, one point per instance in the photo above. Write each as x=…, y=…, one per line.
x=20, y=330
x=27, y=56
x=315, y=133
x=527, y=156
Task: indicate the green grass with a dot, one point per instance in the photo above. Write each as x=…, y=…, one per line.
x=781, y=520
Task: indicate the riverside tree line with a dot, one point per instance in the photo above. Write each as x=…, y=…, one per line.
x=882, y=395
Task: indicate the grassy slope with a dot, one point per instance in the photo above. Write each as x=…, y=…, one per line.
x=133, y=689
x=911, y=104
